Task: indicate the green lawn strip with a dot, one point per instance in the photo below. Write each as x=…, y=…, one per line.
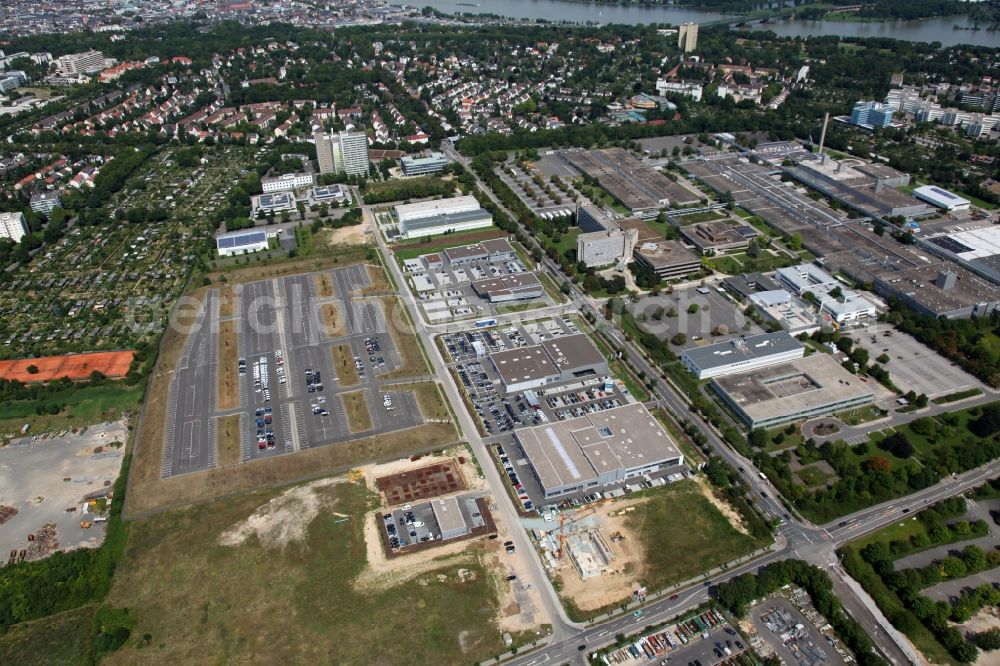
x=437, y=243
x=682, y=534
x=73, y=407
x=955, y=397
x=812, y=476
x=551, y=289
x=566, y=240
x=519, y=307
x=853, y=417
x=634, y=387
x=692, y=455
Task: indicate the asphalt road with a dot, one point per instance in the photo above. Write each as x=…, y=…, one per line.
x=189, y=442
x=795, y=538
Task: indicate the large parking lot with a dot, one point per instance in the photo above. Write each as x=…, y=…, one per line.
x=704, y=639
x=913, y=365
x=290, y=393
x=668, y=314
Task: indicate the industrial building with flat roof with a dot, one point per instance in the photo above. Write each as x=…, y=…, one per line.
x=974, y=247
x=792, y=314
x=328, y=193
x=668, y=259
x=794, y=391
x=423, y=164
x=240, y=242
x=272, y=203
x=746, y=284
x=597, y=449
x=742, y=354
x=448, y=515
x=869, y=188
x=564, y=359
x=492, y=251
x=941, y=290
x=941, y=198
x=428, y=218
x=515, y=287
x=44, y=202
x=719, y=236
x=637, y=185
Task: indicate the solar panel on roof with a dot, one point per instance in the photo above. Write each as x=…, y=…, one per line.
x=240, y=240
x=944, y=193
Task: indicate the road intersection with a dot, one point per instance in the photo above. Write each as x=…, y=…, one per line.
x=794, y=537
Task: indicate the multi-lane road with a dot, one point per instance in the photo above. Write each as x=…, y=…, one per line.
x=795, y=538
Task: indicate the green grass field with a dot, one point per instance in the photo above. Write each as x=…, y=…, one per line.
x=81, y=406
x=567, y=240
x=853, y=417
x=420, y=247
x=296, y=603
x=684, y=535
x=56, y=640
x=812, y=476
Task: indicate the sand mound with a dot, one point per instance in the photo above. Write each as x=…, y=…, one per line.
x=284, y=519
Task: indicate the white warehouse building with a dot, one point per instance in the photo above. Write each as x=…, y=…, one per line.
x=429, y=218
x=742, y=354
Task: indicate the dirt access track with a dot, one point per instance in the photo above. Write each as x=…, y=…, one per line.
x=74, y=366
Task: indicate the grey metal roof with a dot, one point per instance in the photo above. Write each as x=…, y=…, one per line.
x=742, y=349
x=445, y=219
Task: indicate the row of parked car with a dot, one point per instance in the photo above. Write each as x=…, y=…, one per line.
x=265, y=431
x=512, y=475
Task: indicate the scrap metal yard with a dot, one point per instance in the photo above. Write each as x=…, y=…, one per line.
x=290, y=394
x=55, y=488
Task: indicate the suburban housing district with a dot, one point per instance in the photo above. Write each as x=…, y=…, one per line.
x=326, y=327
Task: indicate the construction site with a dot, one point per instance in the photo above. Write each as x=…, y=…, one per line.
x=591, y=552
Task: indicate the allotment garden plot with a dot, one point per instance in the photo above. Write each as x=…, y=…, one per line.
x=288, y=364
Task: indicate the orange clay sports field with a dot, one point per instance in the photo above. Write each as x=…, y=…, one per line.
x=74, y=366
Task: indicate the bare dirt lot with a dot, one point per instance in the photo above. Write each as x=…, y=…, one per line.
x=627, y=567
x=42, y=479
x=379, y=282
x=158, y=494
x=229, y=390
x=357, y=234
x=421, y=483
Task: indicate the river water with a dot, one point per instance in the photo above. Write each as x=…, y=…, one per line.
x=937, y=29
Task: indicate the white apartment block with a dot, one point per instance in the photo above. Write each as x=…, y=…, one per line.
x=344, y=152
x=12, y=226
x=287, y=182
x=80, y=63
